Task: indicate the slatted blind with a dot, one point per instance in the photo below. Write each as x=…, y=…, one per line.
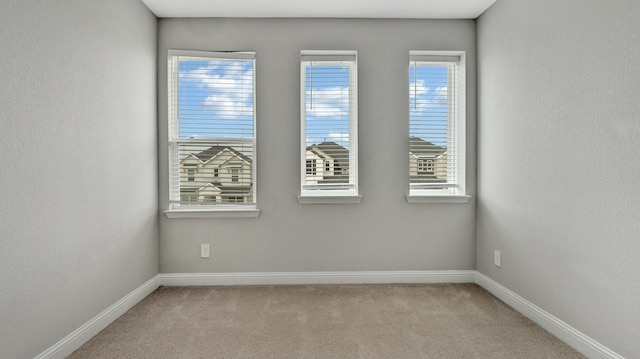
x=212, y=128
x=434, y=113
x=329, y=120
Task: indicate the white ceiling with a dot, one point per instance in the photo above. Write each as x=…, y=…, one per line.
x=407, y=9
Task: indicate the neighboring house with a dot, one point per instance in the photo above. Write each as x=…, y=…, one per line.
x=427, y=162
x=219, y=174
x=327, y=163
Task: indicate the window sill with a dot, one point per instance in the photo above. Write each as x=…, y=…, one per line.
x=329, y=199
x=454, y=198
x=212, y=213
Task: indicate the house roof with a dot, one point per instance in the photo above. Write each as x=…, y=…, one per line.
x=213, y=151
x=421, y=148
x=329, y=148
x=231, y=189
x=228, y=190
x=223, y=189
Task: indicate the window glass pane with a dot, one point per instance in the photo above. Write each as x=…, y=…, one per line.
x=329, y=123
x=436, y=123
x=212, y=143
x=327, y=119
x=223, y=169
x=215, y=98
x=428, y=123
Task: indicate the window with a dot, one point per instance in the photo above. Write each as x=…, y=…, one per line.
x=425, y=167
x=210, y=199
x=235, y=175
x=329, y=126
x=311, y=167
x=211, y=128
x=188, y=197
x=436, y=124
x=191, y=173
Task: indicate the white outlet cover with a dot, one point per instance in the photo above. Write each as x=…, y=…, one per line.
x=205, y=250
x=497, y=258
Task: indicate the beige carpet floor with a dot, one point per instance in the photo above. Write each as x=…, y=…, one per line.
x=324, y=321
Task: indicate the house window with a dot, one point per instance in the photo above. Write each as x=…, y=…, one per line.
x=436, y=123
x=425, y=166
x=311, y=167
x=188, y=196
x=191, y=173
x=234, y=199
x=210, y=199
x=337, y=169
x=235, y=175
x=211, y=123
x=329, y=123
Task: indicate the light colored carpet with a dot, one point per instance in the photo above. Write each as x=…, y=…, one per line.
x=324, y=321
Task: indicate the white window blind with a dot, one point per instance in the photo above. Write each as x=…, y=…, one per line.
x=436, y=123
x=212, y=161
x=329, y=123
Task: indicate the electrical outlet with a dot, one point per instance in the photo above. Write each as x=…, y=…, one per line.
x=497, y=258
x=205, y=250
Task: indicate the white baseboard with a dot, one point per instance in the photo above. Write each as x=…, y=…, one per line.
x=576, y=339
x=73, y=341
x=291, y=278
x=568, y=334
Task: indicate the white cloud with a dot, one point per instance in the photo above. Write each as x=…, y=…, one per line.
x=429, y=98
x=328, y=102
x=417, y=88
x=339, y=137
x=328, y=115
x=227, y=89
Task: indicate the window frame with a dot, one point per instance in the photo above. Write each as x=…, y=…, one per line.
x=191, y=172
x=311, y=167
x=425, y=166
x=234, y=172
x=330, y=194
x=456, y=128
x=218, y=209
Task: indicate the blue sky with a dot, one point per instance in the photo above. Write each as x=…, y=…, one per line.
x=428, y=105
x=216, y=99
x=327, y=96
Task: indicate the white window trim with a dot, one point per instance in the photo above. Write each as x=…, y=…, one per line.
x=456, y=194
x=438, y=198
x=219, y=211
x=348, y=196
x=333, y=199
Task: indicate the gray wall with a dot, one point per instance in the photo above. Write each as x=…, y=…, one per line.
x=558, y=164
x=381, y=233
x=78, y=227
